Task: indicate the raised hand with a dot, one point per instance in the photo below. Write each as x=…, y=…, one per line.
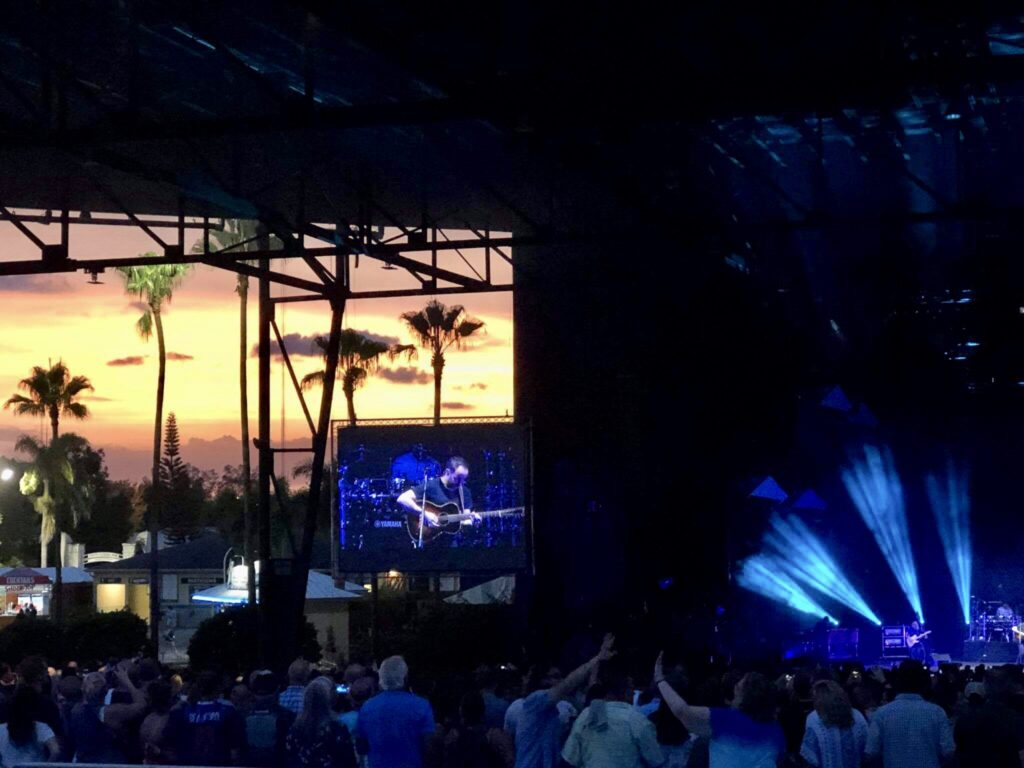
x=659, y=668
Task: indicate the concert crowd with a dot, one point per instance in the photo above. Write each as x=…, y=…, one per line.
x=601, y=714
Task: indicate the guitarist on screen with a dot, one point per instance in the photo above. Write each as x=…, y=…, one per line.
x=449, y=488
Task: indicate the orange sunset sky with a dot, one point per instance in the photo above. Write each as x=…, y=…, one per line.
x=92, y=328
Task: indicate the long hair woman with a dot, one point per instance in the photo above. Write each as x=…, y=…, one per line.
x=317, y=739
x=836, y=733
x=22, y=738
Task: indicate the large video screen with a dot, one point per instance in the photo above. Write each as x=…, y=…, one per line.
x=399, y=509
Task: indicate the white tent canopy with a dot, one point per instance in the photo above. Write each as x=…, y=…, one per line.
x=319, y=586
x=499, y=590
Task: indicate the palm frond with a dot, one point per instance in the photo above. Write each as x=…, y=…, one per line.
x=28, y=445
x=419, y=325
x=44, y=506
x=76, y=386
x=355, y=377
x=408, y=351
x=144, y=325
x=451, y=317
x=315, y=379
x=78, y=410
x=24, y=406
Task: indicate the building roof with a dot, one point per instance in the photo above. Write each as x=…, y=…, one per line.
x=69, y=574
x=320, y=586
x=204, y=553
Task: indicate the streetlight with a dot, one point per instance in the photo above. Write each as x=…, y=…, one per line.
x=6, y=474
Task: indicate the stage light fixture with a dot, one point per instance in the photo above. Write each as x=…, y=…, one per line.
x=951, y=505
x=875, y=488
x=764, y=575
x=806, y=558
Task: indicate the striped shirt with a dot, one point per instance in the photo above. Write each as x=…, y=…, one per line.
x=291, y=698
x=910, y=733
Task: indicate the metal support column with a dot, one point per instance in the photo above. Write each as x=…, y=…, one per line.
x=265, y=469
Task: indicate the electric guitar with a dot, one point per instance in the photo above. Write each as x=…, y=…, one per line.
x=913, y=640
x=450, y=518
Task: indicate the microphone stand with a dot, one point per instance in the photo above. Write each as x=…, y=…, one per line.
x=423, y=509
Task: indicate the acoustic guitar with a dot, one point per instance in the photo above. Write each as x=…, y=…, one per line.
x=450, y=518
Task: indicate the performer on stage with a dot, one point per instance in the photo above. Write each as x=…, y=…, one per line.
x=918, y=642
x=450, y=487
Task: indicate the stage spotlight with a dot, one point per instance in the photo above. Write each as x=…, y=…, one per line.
x=875, y=488
x=765, y=576
x=806, y=558
x=952, y=505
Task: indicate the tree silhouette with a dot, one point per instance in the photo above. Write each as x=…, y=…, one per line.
x=440, y=328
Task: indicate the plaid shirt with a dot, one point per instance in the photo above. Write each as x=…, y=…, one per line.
x=291, y=698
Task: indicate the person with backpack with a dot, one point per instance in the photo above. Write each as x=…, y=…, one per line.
x=267, y=723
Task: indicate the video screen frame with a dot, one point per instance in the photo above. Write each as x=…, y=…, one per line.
x=367, y=491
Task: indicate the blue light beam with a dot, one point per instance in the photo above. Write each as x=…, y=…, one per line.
x=764, y=575
x=875, y=488
x=807, y=559
x=952, y=507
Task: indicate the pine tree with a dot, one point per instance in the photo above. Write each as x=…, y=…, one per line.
x=172, y=468
x=182, y=488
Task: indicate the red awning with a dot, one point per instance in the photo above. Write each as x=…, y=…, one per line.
x=23, y=577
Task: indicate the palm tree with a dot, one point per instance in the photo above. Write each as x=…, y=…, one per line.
x=154, y=285
x=51, y=392
x=439, y=328
x=358, y=357
x=61, y=501
x=242, y=235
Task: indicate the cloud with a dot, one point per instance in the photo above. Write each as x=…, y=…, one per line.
x=405, y=375
x=477, y=385
x=141, y=306
x=96, y=398
x=389, y=340
x=122, y=361
x=179, y=356
x=457, y=406
x=482, y=342
x=34, y=284
x=296, y=344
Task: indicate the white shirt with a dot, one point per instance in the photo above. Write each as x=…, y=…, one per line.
x=29, y=753
x=612, y=734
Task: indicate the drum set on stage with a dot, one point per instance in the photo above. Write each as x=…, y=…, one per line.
x=995, y=621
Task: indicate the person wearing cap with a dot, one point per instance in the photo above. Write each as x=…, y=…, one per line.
x=987, y=734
